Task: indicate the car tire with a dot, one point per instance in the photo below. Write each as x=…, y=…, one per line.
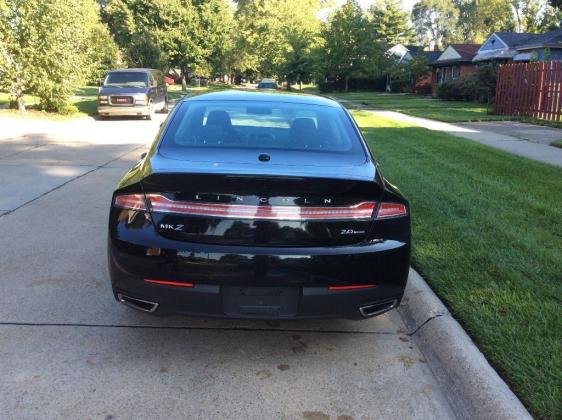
x=151, y=111
x=165, y=108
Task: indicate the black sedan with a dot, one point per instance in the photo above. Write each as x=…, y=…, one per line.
x=259, y=205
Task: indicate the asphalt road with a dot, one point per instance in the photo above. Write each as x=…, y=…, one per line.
x=67, y=349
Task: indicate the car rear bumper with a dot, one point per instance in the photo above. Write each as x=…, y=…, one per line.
x=234, y=282
x=133, y=110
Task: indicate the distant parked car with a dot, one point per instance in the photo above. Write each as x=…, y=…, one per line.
x=259, y=205
x=133, y=92
x=269, y=84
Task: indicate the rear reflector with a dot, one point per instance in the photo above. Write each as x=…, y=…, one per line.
x=351, y=287
x=391, y=210
x=130, y=201
x=168, y=283
x=162, y=204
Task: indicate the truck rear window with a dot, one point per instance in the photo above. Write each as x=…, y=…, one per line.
x=126, y=79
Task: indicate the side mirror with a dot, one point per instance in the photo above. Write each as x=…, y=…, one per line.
x=143, y=155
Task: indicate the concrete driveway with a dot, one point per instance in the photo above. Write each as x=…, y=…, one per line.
x=67, y=349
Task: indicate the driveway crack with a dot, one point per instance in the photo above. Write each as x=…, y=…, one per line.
x=424, y=323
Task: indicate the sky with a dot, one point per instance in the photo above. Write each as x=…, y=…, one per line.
x=323, y=14
x=407, y=4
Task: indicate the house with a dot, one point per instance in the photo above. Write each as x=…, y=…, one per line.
x=424, y=84
x=402, y=54
x=502, y=47
x=453, y=63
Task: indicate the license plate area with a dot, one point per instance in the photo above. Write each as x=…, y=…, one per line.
x=256, y=302
x=121, y=100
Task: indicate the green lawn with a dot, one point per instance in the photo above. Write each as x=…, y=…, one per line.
x=420, y=106
x=487, y=236
x=557, y=143
x=85, y=101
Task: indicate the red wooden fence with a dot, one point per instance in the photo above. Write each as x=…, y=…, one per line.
x=530, y=89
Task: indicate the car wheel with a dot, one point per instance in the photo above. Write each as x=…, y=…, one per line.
x=151, y=111
x=165, y=109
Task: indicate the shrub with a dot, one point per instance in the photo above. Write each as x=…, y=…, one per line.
x=479, y=86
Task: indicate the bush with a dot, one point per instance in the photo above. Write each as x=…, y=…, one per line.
x=449, y=91
x=479, y=86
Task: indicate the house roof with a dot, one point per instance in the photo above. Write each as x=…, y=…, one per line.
x=514, y=42
x=466, y=51
x=552, y=39
x=512, y=39
x=414, y=49
x=408, y=52
x=432, y=55
x=457, y=53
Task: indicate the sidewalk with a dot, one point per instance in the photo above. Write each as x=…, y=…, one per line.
x=531, y=150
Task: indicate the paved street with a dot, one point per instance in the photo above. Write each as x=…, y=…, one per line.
x=67, y=349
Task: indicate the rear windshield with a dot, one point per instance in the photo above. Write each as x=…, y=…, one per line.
x=260, y=125
x=267, y=85
x=127, y=79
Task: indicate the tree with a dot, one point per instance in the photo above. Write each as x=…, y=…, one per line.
x=103, y=54
x=45, y=49
x=390, y=22
x=435, y=21
x=479, y=18
x=300, y=62
x=216, y=24
x=263, y=30
x=350, y=49
x=159, y=33
x=552, y=18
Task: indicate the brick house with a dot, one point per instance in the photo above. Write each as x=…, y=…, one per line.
x=454, y=62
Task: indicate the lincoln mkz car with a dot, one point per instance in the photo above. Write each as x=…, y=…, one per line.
x=259, y=205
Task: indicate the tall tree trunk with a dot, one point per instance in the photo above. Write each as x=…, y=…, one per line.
x=300, y=84
x=183, y=83
x=18, y=92
x=20, y=101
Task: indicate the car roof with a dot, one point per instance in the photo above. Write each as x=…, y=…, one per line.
x=239, y=95
x=133, y=70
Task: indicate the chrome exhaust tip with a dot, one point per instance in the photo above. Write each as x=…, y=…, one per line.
x=139, y=304
x=374, y=309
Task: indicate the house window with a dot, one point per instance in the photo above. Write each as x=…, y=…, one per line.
x=455, y=72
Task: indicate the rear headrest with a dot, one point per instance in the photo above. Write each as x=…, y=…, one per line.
x=218, y=118
x=303, y=125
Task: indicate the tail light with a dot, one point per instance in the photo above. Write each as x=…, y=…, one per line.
x=361, y=211
x=161, y=204
x=387, y=210
x=130, y=202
